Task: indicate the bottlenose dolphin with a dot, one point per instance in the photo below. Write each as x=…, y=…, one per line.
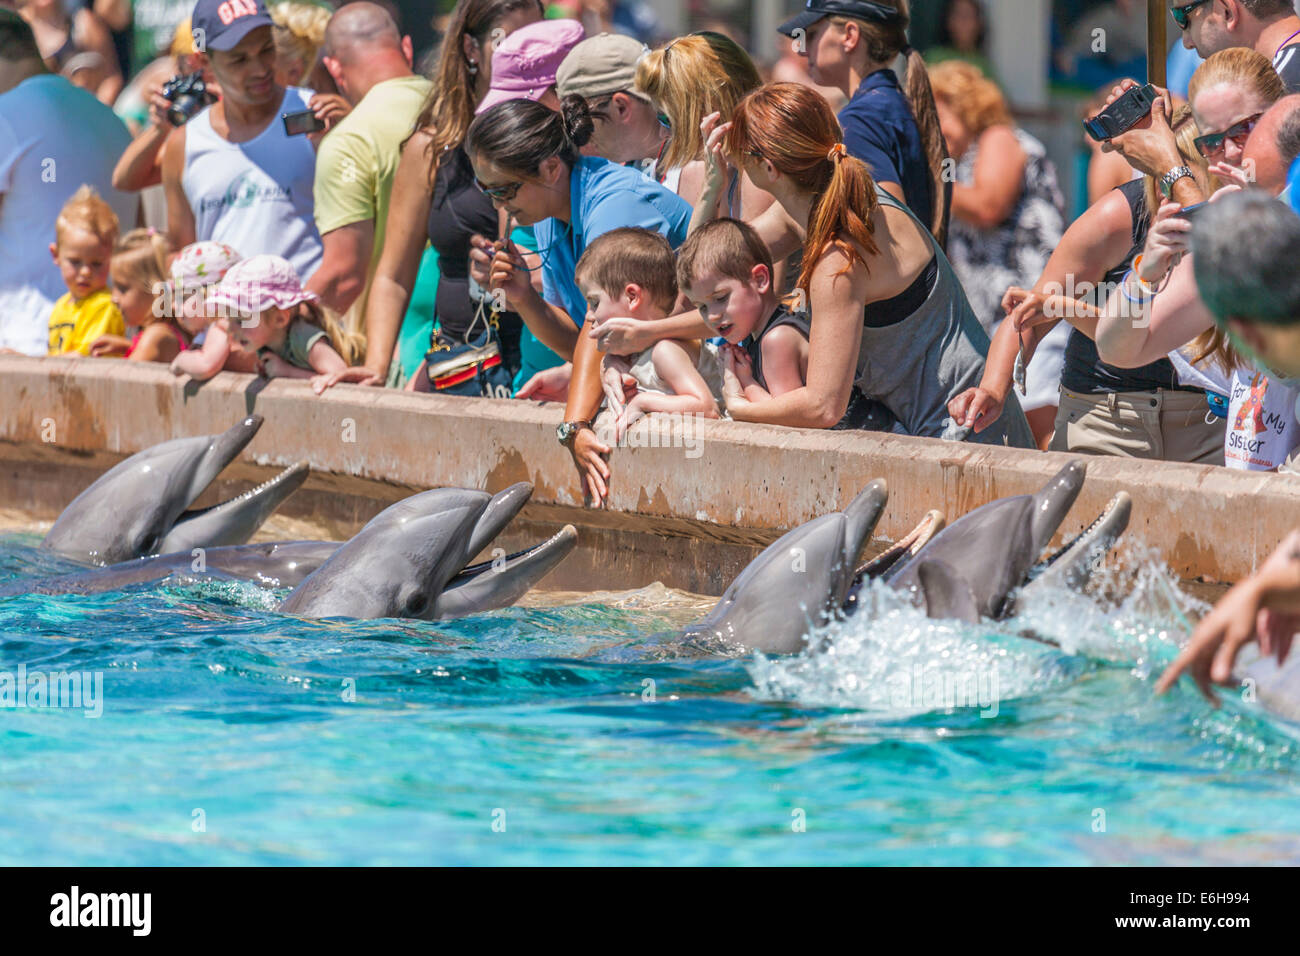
x=138, y=507
x=409, y=561
x=969, y=570
x=471, y=590
x=796, y=581
x=973, y=567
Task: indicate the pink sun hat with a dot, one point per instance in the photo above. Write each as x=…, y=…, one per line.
x=259, y=283
x=524, y=64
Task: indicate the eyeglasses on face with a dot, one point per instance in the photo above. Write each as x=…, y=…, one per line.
x=1211, y=143
x=1183, y=15
x=501, y=193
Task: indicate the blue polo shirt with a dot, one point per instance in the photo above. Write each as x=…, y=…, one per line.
x=880, y=130
x=602, y=196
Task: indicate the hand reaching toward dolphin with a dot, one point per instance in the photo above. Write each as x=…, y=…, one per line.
x=1264, y=607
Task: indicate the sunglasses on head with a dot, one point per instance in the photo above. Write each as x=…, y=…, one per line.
x=1182, y=15
x=502, y=193
x=1211, y=143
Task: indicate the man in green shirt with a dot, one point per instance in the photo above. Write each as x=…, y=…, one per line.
x=355, y=164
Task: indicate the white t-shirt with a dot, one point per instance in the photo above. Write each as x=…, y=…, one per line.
x=53, y=138
x=258, y=196
x=1262, y=422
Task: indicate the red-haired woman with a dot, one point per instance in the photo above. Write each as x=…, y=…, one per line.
x=887, y=313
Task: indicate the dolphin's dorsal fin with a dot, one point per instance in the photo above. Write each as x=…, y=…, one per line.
x=946, y=593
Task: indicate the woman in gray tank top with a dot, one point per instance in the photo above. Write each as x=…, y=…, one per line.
x=887, y=313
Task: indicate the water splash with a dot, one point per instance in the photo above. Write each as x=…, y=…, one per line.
x=890, y=659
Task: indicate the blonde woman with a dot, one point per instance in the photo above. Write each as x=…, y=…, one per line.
x=688, y=79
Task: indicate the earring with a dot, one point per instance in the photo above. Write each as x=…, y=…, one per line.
x=473, y=68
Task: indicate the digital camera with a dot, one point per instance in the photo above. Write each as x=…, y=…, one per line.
x=188, y=95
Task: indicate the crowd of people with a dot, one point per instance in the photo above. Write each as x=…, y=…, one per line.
x=559, y=215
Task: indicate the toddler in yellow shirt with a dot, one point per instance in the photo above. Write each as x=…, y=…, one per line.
x=84, y=235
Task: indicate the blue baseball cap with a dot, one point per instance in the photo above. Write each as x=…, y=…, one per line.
x=221, y=24
x=815, y=10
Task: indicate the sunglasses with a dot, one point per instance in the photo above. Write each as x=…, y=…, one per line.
x=1183, y=15
x=501, y=193
x=1211, y=143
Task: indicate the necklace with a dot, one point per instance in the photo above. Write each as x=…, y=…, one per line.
x=568, y=232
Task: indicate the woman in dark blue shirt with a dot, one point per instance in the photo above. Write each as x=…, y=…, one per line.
x=850, y=44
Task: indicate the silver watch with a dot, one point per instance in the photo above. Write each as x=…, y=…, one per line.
x=1168, y=179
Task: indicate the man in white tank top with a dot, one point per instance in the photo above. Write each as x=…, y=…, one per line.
x=232, y=174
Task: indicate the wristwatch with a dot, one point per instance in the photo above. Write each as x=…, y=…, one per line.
x=566, y=431
x=1168, y=179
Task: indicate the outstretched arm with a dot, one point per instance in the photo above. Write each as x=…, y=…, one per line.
x=1264, y=607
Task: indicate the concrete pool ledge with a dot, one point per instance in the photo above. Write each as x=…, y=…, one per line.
x=689, y=515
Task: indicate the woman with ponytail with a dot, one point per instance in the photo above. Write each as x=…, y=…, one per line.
x=887, y=314
x=526, y=159
x=850, y=44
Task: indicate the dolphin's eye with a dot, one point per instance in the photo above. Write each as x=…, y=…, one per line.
x=416, y=603
x=148, y=544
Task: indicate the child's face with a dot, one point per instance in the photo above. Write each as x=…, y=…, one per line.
x=258, y=331
x=730, y=307
x=601, y=306
x=135, y=303
x=83, y=258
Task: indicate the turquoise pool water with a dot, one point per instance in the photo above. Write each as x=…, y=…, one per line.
x=584, y=734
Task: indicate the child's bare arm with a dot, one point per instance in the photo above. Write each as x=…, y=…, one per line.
x=675, y=363
x=275, y=367
x=205, y=362
x=785, y=360
x=323, y=358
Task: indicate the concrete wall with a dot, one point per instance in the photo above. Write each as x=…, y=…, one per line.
x=689, y=516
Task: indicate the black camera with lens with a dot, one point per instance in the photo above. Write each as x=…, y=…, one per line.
x=188, y=95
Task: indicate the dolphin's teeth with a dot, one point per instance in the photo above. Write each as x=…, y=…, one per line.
x=251, y=492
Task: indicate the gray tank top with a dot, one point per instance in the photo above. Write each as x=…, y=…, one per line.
x=917, y=365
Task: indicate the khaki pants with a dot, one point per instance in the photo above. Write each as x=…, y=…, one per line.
x=1160, y=425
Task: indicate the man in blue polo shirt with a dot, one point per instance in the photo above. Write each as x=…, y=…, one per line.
x=842, y=40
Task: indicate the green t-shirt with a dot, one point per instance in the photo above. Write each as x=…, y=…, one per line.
x=358, y=159
x=297, y=344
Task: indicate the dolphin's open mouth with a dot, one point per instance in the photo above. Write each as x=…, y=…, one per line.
x=1074, y=561
x=234, y=521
